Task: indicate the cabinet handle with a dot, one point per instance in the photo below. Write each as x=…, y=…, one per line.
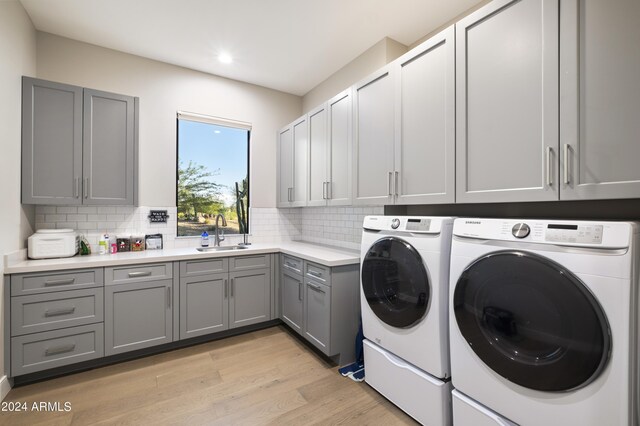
x=566, y=164
x=549, y=151
x=329, y=192
x=291, y=266
x=324, y=190
x=396, y=182
x=60, y=349
x=315, y=274
x=139, y=274
x=85, y=188
x=60, y=282
x=316, y=288
x=232, y=287
x=168, y=297
x=299, y=290
x=58, y=312
x=226, y=288
x=76, y=189
x=390, y=177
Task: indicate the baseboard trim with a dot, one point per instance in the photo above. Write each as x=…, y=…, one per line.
x=5, y=387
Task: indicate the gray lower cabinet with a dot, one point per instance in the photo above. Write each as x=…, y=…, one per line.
x=238, y=294
x=204, y=304
x=323, y=306
x=317, y=312
x=53, y=319
x=78, y=145
x=249, y=297
x=138, y=315
x=291, y=287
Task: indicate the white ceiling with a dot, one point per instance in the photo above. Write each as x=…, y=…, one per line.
x=287, y=45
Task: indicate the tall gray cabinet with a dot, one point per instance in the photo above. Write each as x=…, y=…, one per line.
x=599, y=99
x=292, y=164
x=507, y=102
x=78, y=145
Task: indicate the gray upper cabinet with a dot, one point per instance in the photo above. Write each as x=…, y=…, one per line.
x=425, y=122
x=51, y=142
x=599, y=99
x=292, y=164
x=78, y=145
x=330, y=136
x=285, y=166
x=507, y=102
x=340, y=134
x=318, y=156
x=108, y=148
x=373, y=140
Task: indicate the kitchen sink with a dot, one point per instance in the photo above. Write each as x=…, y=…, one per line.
x=220, y=248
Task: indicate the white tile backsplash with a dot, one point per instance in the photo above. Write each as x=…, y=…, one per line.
x=336, y=226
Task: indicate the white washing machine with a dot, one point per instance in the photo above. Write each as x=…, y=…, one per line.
x=404, y=296
x=543, y=322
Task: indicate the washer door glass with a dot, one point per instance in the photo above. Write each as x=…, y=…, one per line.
x=532, y=321
x=395, y=282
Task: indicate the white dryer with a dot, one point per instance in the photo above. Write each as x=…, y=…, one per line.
x=404, y=298
x=544, y=321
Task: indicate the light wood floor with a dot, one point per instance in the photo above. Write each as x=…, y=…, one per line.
x=263, y=377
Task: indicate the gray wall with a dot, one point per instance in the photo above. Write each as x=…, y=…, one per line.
x=18, y=53
x=164, y=89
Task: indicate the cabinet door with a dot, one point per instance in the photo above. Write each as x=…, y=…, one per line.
x=317, y=313
x=373, y=162
x=292, y=300
x=204, y=305
x=507, y=102
x=138, y=315
x=249, y=297
x=285, y=167
x=340, y=134
x=425, y=122
x=318, y=157
x=51, y=142
x=599, y=99
x=108, y=148
x=300, y=161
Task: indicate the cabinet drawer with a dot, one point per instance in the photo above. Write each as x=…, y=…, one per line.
x=317, y=272
x=43, y=312
x=45, y=282
x=138, y=273
x=40, y=351
x=194, y=268
x=292, y=264
x=244, y=263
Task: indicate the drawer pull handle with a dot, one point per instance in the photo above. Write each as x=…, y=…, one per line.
x=139, y=274
x=291, y=266
x=226, y=288
x=58, y=312
x=233, y=285
x=60, y=282
x=314, y=274
x=60, y=349
x=316, y=288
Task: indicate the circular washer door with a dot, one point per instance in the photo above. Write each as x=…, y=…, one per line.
x=395, y=282
x=532, y=321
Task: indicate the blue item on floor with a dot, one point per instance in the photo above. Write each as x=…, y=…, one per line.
x=355, y=370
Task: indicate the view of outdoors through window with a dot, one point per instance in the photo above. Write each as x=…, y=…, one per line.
x=213, y=178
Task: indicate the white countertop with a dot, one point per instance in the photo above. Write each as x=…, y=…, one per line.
x=325, y=255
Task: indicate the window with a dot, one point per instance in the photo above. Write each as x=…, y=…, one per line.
x=212, y=174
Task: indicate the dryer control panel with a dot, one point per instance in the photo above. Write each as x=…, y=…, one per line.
x=573, y=233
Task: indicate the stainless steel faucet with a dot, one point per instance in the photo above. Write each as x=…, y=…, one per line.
x=219, y=237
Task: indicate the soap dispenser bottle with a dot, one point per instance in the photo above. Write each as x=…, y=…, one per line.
x=204, y=240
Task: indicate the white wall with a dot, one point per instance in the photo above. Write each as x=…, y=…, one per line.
x=18, y=53
x=164, y=89
x=374, y=58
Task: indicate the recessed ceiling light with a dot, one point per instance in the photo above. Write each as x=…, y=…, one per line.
x=225, y=58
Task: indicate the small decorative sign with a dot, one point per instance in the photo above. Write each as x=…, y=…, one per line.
x=158, y=216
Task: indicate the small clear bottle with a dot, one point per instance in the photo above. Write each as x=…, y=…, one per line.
x=204, y=239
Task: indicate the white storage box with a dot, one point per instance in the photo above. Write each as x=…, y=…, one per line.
x=51, y=243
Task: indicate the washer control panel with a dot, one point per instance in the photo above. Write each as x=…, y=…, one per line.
x=420, y=225
x=567, y=233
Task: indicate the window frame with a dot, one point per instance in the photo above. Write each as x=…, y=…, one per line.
x=218, y=121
